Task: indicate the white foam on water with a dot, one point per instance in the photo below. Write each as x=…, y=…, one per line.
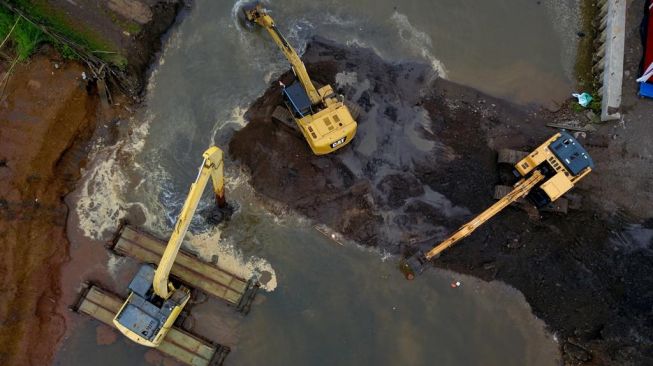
x=101, y=206
x=273, y=74
x=345, y=78
x=332, y=19
x=237, y=115
x=356, y=42
x=209, y=244
x=418, y=41
x=114, y=263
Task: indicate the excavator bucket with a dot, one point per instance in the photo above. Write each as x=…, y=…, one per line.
x=248, y=14
x=414, y=265
x=252, y=10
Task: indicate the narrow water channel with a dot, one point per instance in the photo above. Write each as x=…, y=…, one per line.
x=329, y=304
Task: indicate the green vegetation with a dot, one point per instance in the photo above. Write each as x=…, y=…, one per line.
x=586, y=81
x=25, y=37
x=43, y=13
x=584, y=59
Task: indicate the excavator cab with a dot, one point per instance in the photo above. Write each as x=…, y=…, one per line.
x=563, y=161
x=145, y=317
x=297, y=100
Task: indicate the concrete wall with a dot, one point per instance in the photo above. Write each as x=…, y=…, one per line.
x=610, y=56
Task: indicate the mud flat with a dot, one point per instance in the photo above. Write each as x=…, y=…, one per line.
x=48, y=113
x=423, y=162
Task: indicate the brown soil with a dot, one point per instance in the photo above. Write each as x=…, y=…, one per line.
x=130, y=29
x=47, y=116
x=425, y=152
x=47, y=112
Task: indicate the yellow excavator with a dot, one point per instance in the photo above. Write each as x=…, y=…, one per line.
x=544, y=176
x=321, y=115
x=154, y=302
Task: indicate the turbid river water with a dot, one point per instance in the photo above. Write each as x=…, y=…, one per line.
x=327, y=303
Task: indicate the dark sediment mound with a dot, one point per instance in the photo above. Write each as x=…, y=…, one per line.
x=422, y=163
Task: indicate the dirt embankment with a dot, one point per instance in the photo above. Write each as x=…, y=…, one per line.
x=47, y=115
x=423, y=162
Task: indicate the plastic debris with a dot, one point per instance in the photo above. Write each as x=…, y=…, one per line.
x=83, y=75
x=455, y=284
x=646, y=75
x=584, y=99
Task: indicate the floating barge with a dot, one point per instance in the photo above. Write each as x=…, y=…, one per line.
x=188, y=269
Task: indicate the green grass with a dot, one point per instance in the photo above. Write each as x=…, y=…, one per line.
x=585, y=78
x=586, y=81
x=25, y=37
x=42, y=12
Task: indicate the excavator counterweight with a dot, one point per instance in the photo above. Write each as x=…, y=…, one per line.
x=321, y=115
x=546, y=174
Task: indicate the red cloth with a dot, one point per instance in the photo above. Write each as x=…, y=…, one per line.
x=648, y=51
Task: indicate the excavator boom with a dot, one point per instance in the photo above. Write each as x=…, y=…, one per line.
x=212, y=167
x=520, y=191
x=258, y=15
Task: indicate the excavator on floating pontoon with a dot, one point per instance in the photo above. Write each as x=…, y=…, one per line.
x=544, y=176
x=156, y=301
x=321, y=115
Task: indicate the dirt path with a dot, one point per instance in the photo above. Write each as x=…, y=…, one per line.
x=46, y=111
x=424, y=160
x=47, y=117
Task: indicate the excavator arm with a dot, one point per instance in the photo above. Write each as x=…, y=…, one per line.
x=547, y=173
x=258, y=15
x=416, y=263
x=213, y=168
x=522, y=188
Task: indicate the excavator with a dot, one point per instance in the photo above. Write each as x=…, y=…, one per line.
x=545, y=175
x=320, y=114
x=155, y=302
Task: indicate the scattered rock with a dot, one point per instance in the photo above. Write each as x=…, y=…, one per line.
x=576, y=352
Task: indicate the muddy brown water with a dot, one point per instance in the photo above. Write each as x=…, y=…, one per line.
x=331, y=303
